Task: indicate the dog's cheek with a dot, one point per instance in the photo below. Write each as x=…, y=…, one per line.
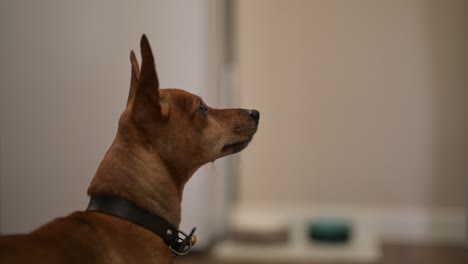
x=221, y=134
x=212, y=141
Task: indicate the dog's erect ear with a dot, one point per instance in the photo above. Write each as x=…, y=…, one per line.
x=134, y=78
x=148, y=77
x=148, y=83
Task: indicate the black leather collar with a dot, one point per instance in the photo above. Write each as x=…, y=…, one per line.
x=178, y=242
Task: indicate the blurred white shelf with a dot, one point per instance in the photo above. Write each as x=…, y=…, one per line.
x=363, y=247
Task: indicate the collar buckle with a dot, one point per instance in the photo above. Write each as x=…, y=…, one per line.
x=183, y=243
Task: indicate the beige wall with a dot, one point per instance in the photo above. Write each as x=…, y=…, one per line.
x=362, y=102
x=64, y=80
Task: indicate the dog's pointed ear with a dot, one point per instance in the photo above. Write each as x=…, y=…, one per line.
x=148, y=82
x=145, y=98
x=134, y=78
x=147, y=90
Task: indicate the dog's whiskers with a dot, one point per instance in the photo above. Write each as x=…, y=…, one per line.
x=214, y=171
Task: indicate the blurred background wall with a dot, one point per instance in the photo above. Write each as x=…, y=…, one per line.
x=363, y=103
x=65, y=75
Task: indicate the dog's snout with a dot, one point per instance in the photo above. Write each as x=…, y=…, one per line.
x=255, y=115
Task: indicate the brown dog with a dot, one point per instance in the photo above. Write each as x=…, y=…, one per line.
x=163, y=137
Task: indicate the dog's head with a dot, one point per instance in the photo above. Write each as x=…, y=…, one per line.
x=178, y=126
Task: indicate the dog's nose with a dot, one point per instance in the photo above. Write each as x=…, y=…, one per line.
x=255, y=115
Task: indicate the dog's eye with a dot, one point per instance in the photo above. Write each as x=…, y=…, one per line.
x=202, y=109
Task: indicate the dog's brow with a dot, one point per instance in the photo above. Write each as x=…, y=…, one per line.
x=189, y=103
x=197, y=101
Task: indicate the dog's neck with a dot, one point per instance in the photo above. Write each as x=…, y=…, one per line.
x=139, y=175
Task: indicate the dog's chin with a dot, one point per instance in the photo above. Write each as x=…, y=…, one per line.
x=235, y=147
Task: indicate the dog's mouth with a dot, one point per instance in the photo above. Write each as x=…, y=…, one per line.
x=236, y=147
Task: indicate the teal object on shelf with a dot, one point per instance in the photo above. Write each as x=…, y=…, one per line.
x=330, y=230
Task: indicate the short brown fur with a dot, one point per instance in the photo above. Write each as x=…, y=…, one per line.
x=163, y=137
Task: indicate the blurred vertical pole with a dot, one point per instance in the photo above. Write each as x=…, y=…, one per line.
x=229, y=98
